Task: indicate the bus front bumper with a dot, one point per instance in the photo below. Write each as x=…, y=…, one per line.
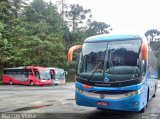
x=131, y=103
x=41, y=83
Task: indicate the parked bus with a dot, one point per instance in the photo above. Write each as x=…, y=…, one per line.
x=58, y=75
x=29, y=75
x=117, y=72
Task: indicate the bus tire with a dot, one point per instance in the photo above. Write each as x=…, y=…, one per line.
x=31, y=83
x=154, y=95
x=101, y=109
x=10, y=82
x=145, y=107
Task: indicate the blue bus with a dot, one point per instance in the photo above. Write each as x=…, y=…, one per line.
x=115, y=72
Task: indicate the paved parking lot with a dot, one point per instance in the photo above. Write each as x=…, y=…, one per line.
x=59, y=102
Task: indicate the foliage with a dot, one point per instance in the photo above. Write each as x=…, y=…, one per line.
x=35, y=34
x=152, y=33
x=77, y=15
x=95, y=28
x=156, y=50
x=155, y=45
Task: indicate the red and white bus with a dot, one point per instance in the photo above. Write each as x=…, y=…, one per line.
x=28, y=75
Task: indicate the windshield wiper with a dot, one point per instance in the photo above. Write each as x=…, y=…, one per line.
x=111, y=67
x=95, y=70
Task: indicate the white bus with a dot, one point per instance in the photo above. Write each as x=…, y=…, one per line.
x=58, y=75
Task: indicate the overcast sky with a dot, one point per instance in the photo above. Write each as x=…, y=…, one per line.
x=135, y=16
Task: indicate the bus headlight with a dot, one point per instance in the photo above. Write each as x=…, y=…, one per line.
x=109, y=96
x=79, y=90
x=133, y=93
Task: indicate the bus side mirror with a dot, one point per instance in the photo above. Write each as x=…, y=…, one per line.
x=139, y=63
x=66, y=73
x=71, y=50
x=143, y=66
x=52, y=74
x=144, y=51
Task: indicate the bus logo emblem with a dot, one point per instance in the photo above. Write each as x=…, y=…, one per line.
x=102, y=96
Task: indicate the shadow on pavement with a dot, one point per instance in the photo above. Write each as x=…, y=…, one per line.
x=92, y=115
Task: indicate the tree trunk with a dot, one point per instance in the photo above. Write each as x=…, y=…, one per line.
x=73, y=22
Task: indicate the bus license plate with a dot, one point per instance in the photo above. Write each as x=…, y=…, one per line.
x=102, y=103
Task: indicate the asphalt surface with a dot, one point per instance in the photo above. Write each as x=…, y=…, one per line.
x=58, y=102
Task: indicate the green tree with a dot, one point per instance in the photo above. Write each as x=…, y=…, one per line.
x=46, y=28
x=5, y=48
x=17, y=6
x=152, y=33
x=77, y=15
x=5, y=11
x=95, y=28
x=156, y=50
x=36, y=34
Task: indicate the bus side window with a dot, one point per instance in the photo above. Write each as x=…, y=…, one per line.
x=10, y=72
x=29, y=72
x=25, y=73
x=151, y=61
x=5, y=72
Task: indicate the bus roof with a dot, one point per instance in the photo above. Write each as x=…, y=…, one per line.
x=106, y=37
x=14, y=68
x=26, y=67
x=54, y=68
x=36, y=67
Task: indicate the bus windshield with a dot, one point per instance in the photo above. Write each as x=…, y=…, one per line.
x=45, y=74
x=110, y=61
x=60, y=74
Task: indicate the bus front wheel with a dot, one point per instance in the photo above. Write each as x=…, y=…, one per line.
x=145, y=107
x=10, y=82
x=101, y=109
x=31, y=83
x=154, y=95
